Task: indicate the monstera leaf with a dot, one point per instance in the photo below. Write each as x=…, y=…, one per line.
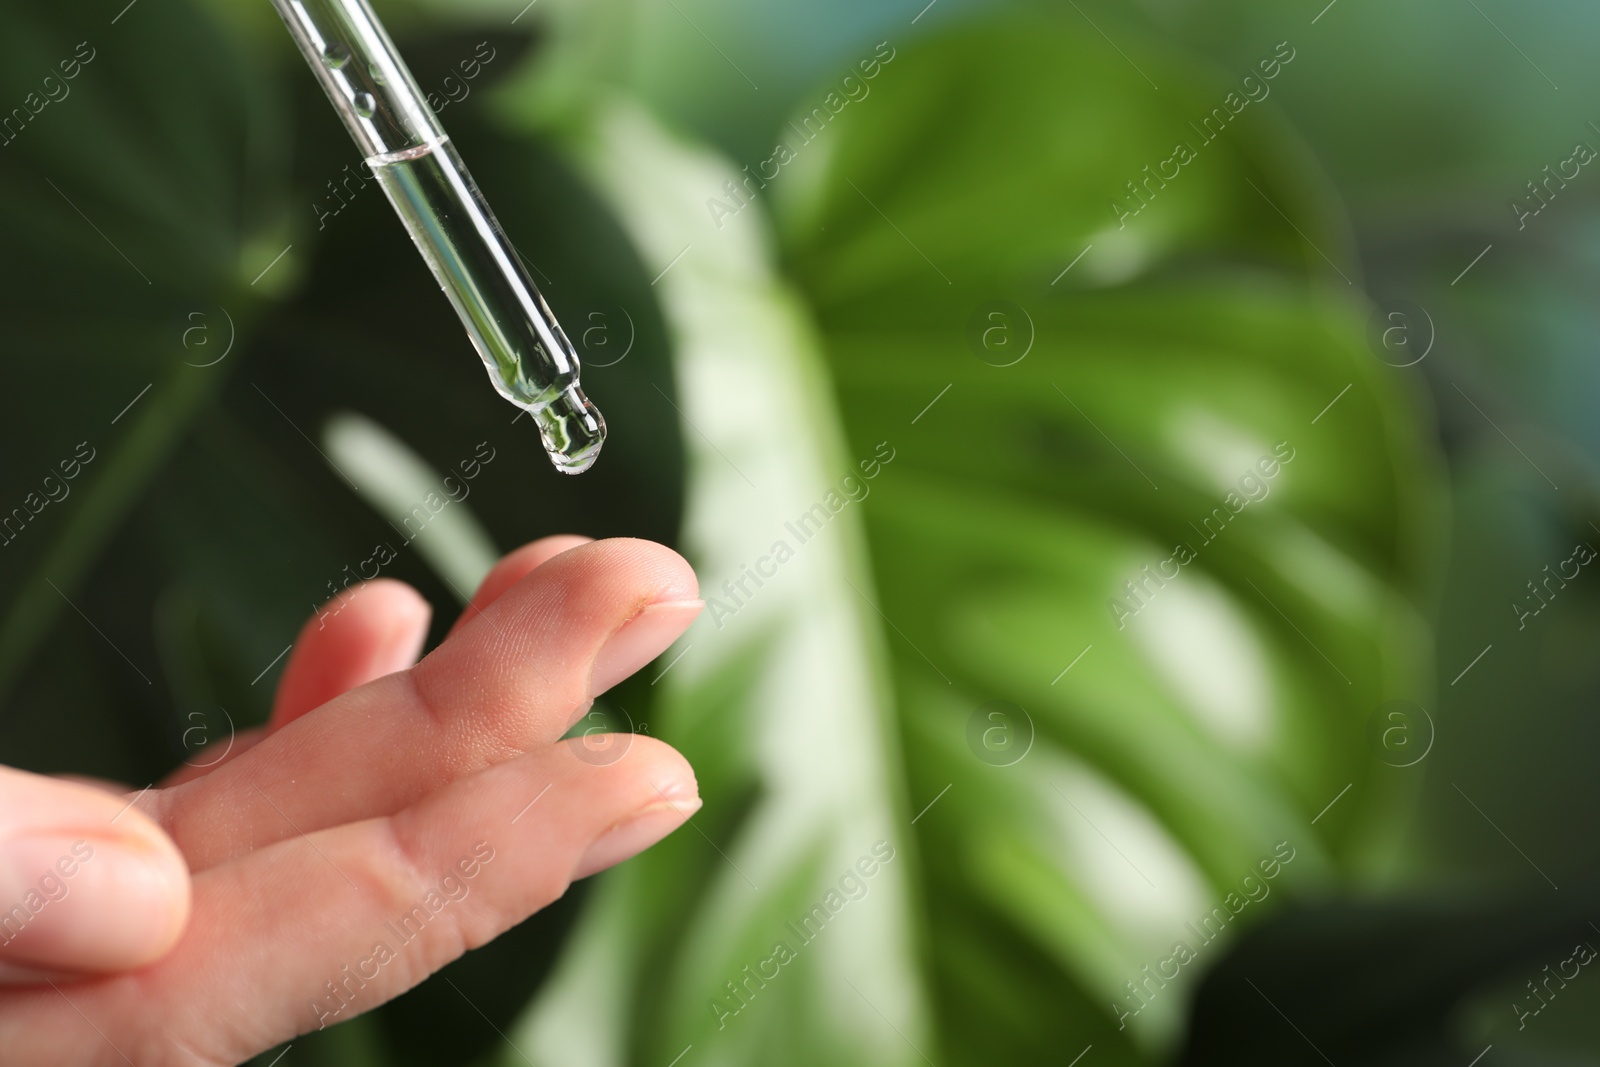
x=1061, y=538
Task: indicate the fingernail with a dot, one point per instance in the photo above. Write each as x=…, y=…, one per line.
x=86, y=903
x=641, y=639
x=635, y=834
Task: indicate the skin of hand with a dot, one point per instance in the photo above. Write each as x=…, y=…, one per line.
x=423, y=806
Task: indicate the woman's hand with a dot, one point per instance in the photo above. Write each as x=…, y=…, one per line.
x=391, y=815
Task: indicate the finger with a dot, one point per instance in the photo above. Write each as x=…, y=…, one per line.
x=315, y=930
x=310, y=677
x=213, y=755
x=105, y=785
x=510, y=681
x=512, y=568
x=86, y=882
x=373, y=629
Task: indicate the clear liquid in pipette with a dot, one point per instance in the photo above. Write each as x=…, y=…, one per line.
x=529, y=359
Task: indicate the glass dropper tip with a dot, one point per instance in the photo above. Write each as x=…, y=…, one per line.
x=572, y=429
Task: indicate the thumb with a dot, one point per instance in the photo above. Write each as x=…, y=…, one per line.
x=87, y=882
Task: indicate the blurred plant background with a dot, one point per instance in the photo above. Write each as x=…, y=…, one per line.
x=1353, y=669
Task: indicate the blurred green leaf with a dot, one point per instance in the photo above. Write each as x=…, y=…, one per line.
x=1225, y=715
x=126, y=190
x=1169, y=751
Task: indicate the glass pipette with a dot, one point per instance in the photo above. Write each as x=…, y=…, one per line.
x=530, y=360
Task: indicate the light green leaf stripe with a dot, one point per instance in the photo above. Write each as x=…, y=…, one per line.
x=425, y=507
x=765, y=449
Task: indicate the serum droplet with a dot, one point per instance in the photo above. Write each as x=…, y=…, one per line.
x=377, y=74
x=336, y=56
x=573, y=431
x=365, y=105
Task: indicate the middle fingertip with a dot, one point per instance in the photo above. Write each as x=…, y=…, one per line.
x=640, y=640
x=634, y=834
